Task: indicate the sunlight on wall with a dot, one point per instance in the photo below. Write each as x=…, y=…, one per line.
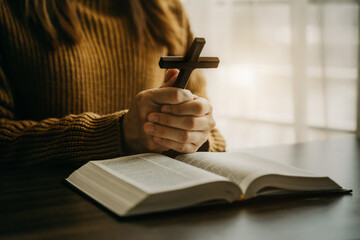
x=238, y=75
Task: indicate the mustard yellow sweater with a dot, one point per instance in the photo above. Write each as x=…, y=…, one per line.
x=63, y=106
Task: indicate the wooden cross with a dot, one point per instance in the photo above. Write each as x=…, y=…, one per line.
x=191, y=61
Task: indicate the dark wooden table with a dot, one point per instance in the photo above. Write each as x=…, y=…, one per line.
x=36, y=204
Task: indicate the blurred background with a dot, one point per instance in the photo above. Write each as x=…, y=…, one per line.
x=288, y=69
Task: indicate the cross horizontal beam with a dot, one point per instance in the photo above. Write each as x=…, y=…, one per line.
x=179, y=62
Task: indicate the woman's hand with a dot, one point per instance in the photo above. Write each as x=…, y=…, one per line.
x=146, y=102
x=182, y=127
x=168, y=118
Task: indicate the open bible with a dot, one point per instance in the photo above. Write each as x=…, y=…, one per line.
x=152, y=182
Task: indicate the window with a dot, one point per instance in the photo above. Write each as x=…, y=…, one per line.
x=288, y=69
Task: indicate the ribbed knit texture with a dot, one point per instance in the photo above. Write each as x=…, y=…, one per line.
x=63, y=106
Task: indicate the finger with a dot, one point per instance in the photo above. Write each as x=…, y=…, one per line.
x=170, y=73
x=178, y=135
x=170, y=77
x=170, y=82
x=155, y=147
x=196, y=107
x=183, y=122
x=179, y=147
x=162, y=96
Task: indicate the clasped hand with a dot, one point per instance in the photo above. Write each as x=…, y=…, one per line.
x=167, y=118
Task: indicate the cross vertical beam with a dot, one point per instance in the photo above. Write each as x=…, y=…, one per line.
x=191, y=61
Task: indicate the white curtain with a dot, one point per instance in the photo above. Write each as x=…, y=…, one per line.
x=293, y=62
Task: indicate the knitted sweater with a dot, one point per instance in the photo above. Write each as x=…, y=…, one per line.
x=64, y=105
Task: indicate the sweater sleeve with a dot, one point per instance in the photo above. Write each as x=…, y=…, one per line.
x=197, y=83
x=73, y=139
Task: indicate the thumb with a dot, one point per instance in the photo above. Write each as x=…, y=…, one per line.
x=170, y=77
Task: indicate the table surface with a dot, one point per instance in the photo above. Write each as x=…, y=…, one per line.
x=36, y=203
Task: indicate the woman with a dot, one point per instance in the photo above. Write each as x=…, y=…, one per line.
x=79, y=80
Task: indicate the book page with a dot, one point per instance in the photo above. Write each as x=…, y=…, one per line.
x=157, y=173
x=241, y=168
